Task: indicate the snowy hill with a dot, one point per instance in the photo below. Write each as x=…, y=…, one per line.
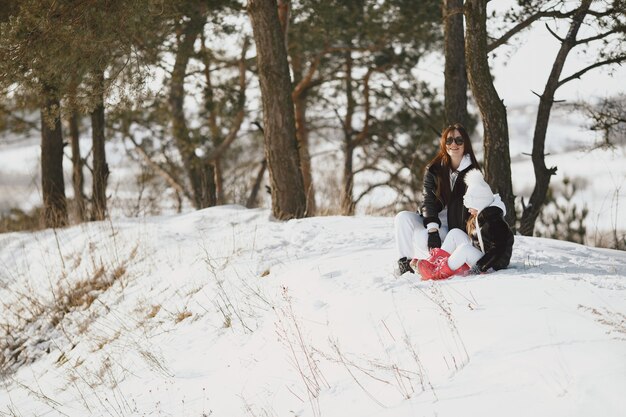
x=224, y=312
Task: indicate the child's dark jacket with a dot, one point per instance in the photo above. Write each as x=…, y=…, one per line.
x=497, y=239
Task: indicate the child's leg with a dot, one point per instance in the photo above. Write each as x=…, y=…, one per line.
x=464, y=254
x=454, y=239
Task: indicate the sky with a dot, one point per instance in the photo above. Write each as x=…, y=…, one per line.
x=226, y=312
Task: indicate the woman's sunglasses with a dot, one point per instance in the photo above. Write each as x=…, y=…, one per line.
x=458, y=140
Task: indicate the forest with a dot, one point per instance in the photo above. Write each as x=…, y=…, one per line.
x=229, y=102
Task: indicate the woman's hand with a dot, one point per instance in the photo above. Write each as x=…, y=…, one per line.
x=434, y=240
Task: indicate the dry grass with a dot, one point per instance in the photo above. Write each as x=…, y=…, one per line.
x=614, y=320
x=182, y=316
x=25, y=329
x=154, y=311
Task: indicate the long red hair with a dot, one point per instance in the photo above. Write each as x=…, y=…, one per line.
x=443, y=160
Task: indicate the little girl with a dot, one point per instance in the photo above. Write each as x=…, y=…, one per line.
x=487, y=245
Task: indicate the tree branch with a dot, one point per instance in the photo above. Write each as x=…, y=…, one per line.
x=560, y=39
x=168, y=177
x=236, y=124
x=616, y=60
x=306, y=81
x=598, y=37
x=33, y=125
x=525, y=23
x=511, y=32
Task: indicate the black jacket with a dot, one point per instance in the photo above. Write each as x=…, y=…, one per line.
x=497, y=238
x=457, y=214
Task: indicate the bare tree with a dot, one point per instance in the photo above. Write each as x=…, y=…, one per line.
x=609, y=23
x=609, y=117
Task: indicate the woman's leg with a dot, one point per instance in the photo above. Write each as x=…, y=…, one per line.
x=412, y=236
x=408, y=226
x=464, y=254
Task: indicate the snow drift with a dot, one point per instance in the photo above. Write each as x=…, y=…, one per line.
x=225, y=312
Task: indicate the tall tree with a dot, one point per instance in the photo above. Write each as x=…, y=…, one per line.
x=281, y=146
x=302, y=85
x=455, y=83
x=497, y=163
x=608, y=24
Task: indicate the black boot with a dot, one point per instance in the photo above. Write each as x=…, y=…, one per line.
x=403, y=264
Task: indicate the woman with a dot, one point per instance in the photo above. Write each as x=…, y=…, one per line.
x=488, y=243
x=442, y=209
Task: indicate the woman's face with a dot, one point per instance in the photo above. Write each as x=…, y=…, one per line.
x=473, y=211
x=452, y=147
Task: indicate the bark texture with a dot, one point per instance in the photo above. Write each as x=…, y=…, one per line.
x=100, y=166
x=455, y=84
x=497, y=164
x=78, y=179
x=347, y=197
x=299, y=96
x=281, y=146
x=52, y=182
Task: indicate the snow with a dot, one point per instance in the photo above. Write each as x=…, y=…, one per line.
x=226, y=312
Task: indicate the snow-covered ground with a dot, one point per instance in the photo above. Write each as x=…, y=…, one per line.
x=224, y=312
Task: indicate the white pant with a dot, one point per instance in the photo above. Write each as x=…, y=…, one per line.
x=459, y=245
x=412, y=236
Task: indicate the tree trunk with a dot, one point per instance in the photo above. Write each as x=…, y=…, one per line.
x=284, y=10
x=200, y=173
x=455, y=84
x=254, y=193
x=302, y=134
x=52, y=182
x=220, y=197
x=497, y=162
x=78, y=179
x=100, y=166
x=546, y=100
x=281, y=145
x=347, y=199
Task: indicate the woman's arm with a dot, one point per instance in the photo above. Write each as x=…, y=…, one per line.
x=431, y=206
